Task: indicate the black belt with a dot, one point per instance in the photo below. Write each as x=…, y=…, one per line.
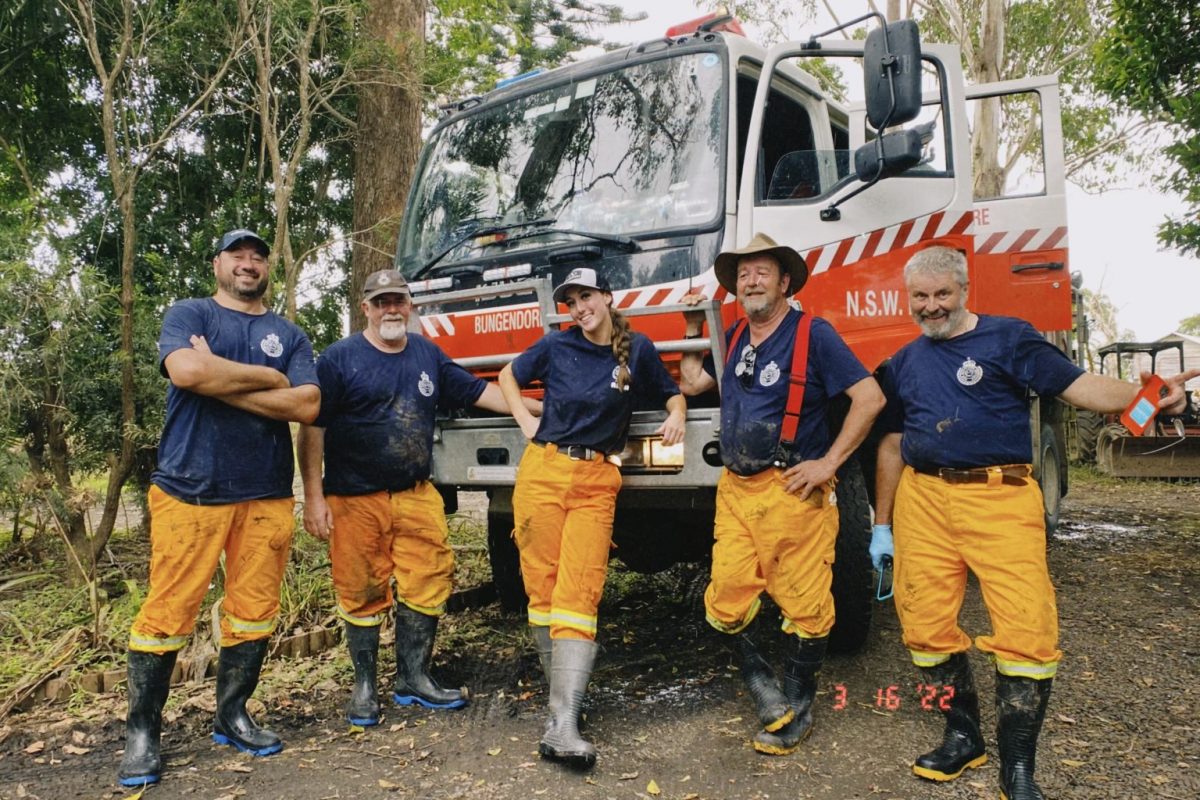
x=576, y=452
x=1011, y=474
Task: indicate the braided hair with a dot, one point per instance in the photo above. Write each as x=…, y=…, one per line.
x=622, y=345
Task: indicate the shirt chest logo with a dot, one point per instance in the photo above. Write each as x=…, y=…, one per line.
x=970, y=373
x=617, y=371
x=425, y=385
x=769, y=375
x=271, y=345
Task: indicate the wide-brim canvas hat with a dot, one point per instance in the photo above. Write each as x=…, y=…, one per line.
x=792, y=262
x=580, y=276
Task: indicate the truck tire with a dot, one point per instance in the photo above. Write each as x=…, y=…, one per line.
x=506, y=563
x=1050, y=478
x=1088, y=425
x=853, y=578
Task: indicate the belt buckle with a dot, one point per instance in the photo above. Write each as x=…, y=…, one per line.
x=577, y=452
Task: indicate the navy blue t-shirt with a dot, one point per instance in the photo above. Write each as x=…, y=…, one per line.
x=753, y=402
x=582, y=404
x=962, y=402
x=210, y=452
x=378, y=411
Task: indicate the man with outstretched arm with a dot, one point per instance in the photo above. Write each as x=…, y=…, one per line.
x=238, y=375
x=955, y=484
x=776, y=518
x=375, y=505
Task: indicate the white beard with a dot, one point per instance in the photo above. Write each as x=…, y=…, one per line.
x=393, y=330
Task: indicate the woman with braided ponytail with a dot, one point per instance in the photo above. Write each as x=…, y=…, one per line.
x=567, y=483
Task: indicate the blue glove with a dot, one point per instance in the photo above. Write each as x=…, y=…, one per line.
x=881, y=545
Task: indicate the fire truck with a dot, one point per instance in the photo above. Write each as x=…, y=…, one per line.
x=644, y=163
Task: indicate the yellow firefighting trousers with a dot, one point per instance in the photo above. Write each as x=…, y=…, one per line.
x=385, y=535
x=995, y=530
x=768, y=539
x=563, y=513
x=186, y=542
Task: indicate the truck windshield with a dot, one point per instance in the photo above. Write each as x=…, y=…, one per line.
x=634, y=151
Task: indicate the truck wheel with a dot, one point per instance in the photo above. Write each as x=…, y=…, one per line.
x=1050, y=479
x=853, y=578
x=506, y=563
x=1088, y=425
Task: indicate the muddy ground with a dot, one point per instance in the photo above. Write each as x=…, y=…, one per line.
x=667, y=710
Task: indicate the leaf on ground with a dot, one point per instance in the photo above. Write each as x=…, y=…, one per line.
x=652, y=788
x=1070, y=762
x=72, y=750
x=627, y=776
x=34, y=748
x=495, y=751
x=523, y=696
x=1066, y=719
x=383, y=784
x=234, y=766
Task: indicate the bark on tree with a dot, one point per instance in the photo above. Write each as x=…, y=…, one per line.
x=985, y=67
x=388, y=137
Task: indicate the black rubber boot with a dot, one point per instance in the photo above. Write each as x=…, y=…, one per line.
x=962, y=743
x=800, y=687
x=414, y=647
x=570, y=671
x=545, y=647
x=363, y=643
x=773, y=709
x=149, y=679
x=1020, y=711
x=238, y=668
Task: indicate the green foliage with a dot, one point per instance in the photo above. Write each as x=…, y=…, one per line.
x=1147, y=64
x=1189, y=325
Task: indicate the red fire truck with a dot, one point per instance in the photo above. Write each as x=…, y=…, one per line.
x=646, y=162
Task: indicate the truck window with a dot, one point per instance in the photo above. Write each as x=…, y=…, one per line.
x=1009, y=129
x=633, y=151
x=808, y=160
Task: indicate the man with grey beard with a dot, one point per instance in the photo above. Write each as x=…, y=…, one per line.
x=955, y=468
x=376, y=506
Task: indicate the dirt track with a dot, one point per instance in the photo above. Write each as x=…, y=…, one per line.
x=666, y=704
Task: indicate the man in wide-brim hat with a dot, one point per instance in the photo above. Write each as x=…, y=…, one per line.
x=790, y=263
x=776, y=519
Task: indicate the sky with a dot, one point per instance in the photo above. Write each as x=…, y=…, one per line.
x=1112, y=235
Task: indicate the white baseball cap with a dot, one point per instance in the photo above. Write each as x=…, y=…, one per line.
x=580, y=276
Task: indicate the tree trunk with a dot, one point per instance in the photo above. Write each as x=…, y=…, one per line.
x=985, y=138
x=389, y=136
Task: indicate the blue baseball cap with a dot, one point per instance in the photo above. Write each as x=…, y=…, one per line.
x=239, y=235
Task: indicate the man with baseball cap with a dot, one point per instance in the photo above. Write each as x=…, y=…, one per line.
x=776, y=518
x=238, y=375
x=376, y=507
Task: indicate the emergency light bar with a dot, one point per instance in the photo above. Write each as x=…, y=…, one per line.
x=719, y=21
x=507, y=273
x=430, y=285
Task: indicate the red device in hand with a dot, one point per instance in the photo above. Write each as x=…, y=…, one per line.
x=1140, y=413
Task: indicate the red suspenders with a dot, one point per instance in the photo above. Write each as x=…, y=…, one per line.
x=795, y=398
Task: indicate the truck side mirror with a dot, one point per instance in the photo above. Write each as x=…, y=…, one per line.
x=893, y=66
x=891, y=154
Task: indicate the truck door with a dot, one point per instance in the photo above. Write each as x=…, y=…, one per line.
x=1021, y=267
x=855, y=259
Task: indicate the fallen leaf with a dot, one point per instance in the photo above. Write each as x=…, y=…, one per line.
x=523, y=696
x=495, y=751
x=1070, y=762
x=1066, y=719
x=388, y=784
x=36, y=747
x=72, y=750
x=627, y=776
x=652, y=788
